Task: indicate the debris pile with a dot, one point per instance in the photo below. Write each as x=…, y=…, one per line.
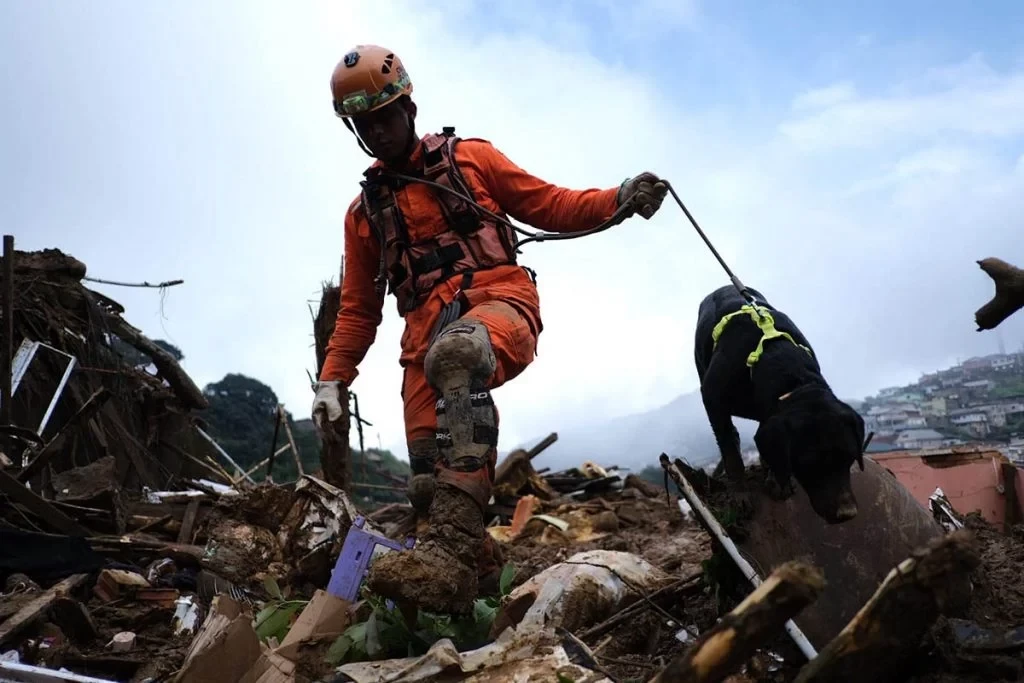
x=127, y=553
x=87, y=423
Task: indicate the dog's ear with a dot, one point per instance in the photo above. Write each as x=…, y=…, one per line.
x=772, y=439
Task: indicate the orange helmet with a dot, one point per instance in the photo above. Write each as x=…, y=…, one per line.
x=368, y=78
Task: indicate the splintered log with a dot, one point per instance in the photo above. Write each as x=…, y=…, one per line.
x=724, y=649
x=1009, y=296
x=879, y=642
x=183, y=386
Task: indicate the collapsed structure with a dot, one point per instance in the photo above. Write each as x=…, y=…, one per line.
x=131, y=549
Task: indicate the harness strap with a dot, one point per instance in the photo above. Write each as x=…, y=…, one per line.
x=764, y=320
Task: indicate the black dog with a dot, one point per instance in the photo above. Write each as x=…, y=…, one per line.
x=804, y=431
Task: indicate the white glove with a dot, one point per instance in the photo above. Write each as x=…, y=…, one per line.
x=327, y=402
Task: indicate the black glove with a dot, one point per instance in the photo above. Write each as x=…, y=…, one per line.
x=644, y=194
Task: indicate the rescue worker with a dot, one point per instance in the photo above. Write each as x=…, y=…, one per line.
x=472, y=314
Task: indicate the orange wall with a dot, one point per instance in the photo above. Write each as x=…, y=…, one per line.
x=969, y=487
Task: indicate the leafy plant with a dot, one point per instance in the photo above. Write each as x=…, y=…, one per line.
x=275, y=618
x=386, y=633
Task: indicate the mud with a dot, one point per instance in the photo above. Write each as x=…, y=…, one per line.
x=439, y=574
x=998, y=598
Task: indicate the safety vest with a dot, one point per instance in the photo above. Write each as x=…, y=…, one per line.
x=472, y=241
x=764, y=320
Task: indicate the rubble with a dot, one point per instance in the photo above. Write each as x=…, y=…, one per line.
x=130, y=554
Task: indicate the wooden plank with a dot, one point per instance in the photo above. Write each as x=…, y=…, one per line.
x=291, y=443
x=38, y=607
x=17, y=492
x=53, y=446
x=185, y=535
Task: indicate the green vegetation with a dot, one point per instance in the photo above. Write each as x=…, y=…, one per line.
x=386, y=634
x=241, y=419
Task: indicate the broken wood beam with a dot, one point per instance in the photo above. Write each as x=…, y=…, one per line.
x=18, y=493
x=224, y=455
x=725, y=648
x=273, y=444
x=188, y=521
x=544, y=444
x=37, y=608
x=184, y=388
x=85, y=413
x=291, y=443
x=1009, y=296
x=879, y=642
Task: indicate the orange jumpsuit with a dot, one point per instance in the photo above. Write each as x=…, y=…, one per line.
x=503, y=298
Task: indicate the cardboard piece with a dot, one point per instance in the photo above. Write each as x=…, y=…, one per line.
x=224, y=649
x=325, y=618
x=227, y=648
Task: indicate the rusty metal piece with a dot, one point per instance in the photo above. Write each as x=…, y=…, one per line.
x=854, y=556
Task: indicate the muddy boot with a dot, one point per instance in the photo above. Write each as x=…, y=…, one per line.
x=440, y=574
x=422, y=460
x=489, y=564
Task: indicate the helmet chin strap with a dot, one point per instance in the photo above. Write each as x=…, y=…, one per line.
x=408, y=146
x=359, y=140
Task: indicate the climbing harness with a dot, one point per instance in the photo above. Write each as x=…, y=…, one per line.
x=763, y=319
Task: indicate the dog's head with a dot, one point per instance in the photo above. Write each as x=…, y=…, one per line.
x=815, y=438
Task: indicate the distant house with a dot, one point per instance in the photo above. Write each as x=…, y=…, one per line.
x=1003, y=363
x=973, y=420
x=939, y=406
x=977, y=363
x=980, y=385
x=889, y=392
x=920, y=439
x=1000, y=413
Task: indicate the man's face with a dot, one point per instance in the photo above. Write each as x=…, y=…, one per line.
x=385, y=131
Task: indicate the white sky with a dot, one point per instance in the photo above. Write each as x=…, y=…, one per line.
x=198, y=142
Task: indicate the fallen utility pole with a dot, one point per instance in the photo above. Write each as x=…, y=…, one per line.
x=719, y=532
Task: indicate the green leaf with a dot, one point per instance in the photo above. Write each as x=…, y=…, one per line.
x=276, y=620
x=508, y=573
x=483, y=614
x=274, y=590
x=373, y=647
x=356, y=632
x=338, y=650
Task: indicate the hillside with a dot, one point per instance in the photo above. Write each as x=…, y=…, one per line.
x=679, y=428
x=980, y=399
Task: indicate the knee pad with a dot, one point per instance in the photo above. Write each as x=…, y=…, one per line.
x=484, y=416
x=462, y=348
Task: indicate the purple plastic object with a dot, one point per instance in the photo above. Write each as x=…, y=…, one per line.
x=360, y=549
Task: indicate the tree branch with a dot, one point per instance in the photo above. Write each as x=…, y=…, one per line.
x=1009, y=296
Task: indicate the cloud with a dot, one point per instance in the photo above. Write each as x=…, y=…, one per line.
x=966, y=99
x=821, y=98
x=208, y=151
